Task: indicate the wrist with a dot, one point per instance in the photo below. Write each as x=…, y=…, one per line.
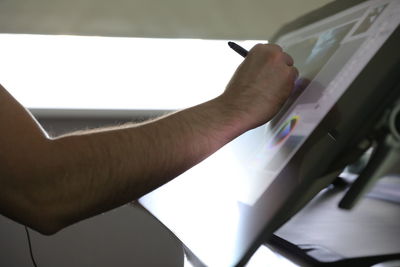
x=245, y=112
x=234, y=117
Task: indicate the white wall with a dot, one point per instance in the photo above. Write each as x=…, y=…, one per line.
x=207, y=19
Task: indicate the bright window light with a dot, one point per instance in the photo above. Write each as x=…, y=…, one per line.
x=80, y=72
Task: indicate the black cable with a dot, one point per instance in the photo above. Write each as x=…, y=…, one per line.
x=30, y=246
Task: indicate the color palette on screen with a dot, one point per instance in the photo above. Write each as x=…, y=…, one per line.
x=284, y=132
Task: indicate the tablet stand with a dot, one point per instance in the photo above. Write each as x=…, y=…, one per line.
x=384, y=161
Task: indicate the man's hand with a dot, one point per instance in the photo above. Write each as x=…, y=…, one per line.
x=261, y=84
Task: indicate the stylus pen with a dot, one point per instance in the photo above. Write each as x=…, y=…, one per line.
x=240, y=50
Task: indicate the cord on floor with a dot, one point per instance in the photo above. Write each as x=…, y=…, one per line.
x=30, y=247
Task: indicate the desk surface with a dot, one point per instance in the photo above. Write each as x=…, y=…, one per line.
x=371, y=228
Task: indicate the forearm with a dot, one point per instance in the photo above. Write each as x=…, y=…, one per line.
x=51, y=183
x=111, y=167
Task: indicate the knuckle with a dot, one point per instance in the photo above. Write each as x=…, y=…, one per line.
x=276, y=47
x=288, y=58
x=272, y=53
x=277, y=53
x=278, y=59
x=257, y=49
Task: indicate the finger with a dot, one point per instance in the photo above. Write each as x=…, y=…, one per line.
x=288, y=59
x=275, y=46
x=294, y=73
